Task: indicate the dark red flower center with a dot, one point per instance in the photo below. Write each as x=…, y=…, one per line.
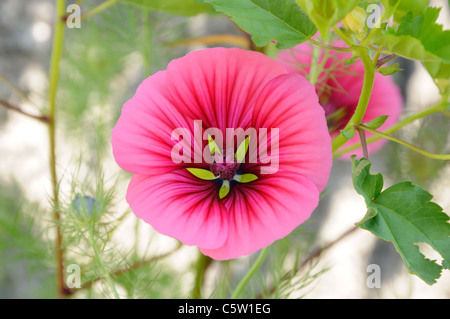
x=226, y=170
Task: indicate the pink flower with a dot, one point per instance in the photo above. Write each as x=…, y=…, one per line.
x=259, y=201
x=339, y=87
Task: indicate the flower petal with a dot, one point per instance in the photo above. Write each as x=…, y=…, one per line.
x=224, y=88
x=270, y=207
x=141, y=138
x=264, y=211
x=198, y=86
x=180, y=205
x=220, y=85
x=339, y=86
x=289, y=103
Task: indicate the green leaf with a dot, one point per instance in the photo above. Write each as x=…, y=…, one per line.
x=366, y=184
x=390, y=69
x=377, y=122
x=389, y=7
x=371, y=213
x=245, y=178
x=268, y=20
x=202, y=173
x=353, y=59
x=224, y=189
x=401, y=7
x=418, y=38
x=327, y=13
x=242, y=150
x=438, y=70
x=404, y=215
x=180, y=7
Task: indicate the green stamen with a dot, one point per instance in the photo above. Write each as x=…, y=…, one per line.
x=242, y=150
x=201, y=173
x=245, y=178
x=224, y=189
x=213, y=147
x=208, y=175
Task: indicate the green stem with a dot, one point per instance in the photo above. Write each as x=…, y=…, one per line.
x=362, y=137
x=329, y=47
x=203, y=263
x=435, y=109
x=130, y=268
x=369, y=77
x=57, y=47
x=136, y=239
x=385, y=60
x=98, y=9
x=376, y=49
x=240, y=287
x=317, y=68
x=146, y=42
x=297, y=267
x=376, y=57
x=42, y=118
x=341, y=34
x=372, y=31
x=415, y=148
x=16, y=89
x=314, y=72
x=101, y=264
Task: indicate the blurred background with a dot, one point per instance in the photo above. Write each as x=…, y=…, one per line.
x=102, y=63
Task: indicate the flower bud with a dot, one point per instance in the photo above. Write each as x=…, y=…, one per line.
x=355, y=20
x=85, y=206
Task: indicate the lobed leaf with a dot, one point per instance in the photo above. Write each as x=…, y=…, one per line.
x=282, y=21
x=418, y=37
x=404, y=215
x=390, y=69
x=401, y=7
x=438, y=69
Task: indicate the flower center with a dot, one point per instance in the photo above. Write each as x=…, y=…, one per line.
x=225, y=170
